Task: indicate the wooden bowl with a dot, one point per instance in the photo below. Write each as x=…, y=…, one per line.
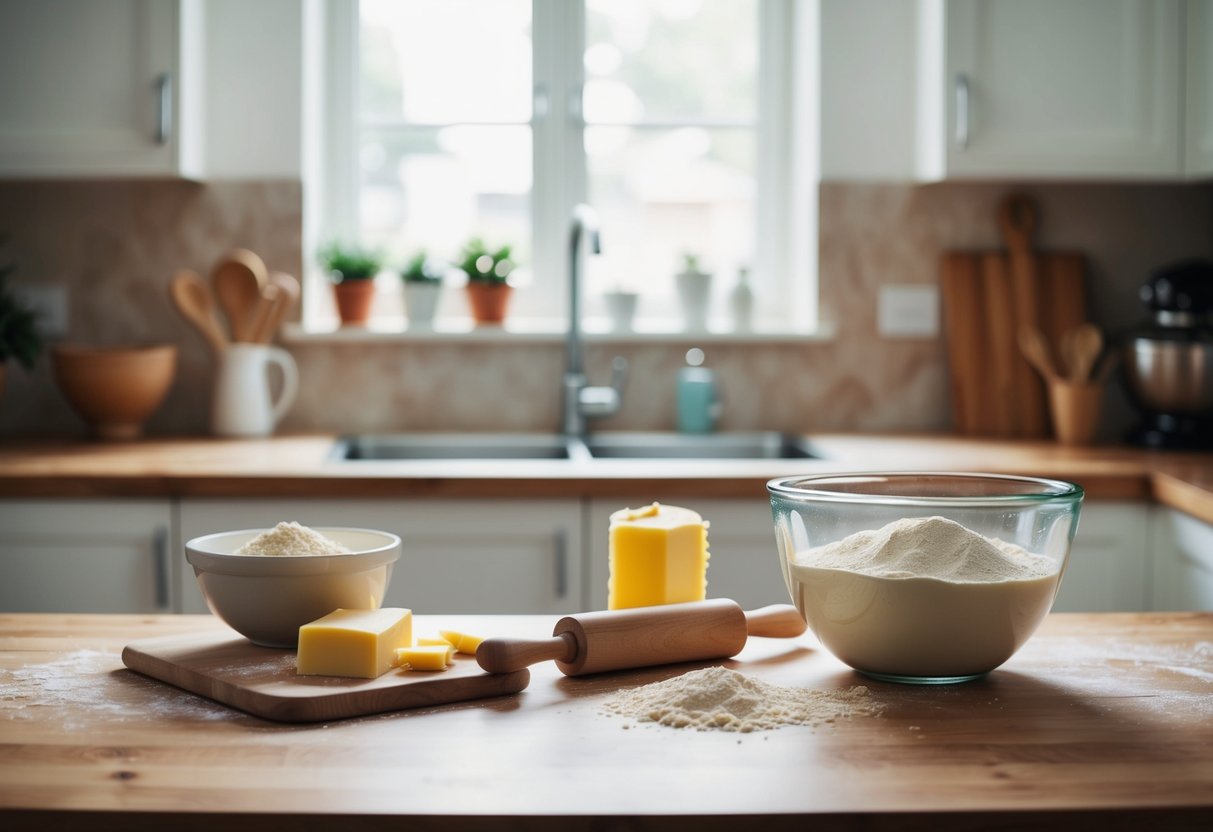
x=115, y=389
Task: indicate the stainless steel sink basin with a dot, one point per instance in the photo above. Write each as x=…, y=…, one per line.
x=603, y=445
x=739, y=445
x=451, y=446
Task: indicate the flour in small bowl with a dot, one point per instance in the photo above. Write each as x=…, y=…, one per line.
x=719, y=699
x=290, y=538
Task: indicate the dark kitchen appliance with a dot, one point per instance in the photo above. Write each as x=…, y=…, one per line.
x=1168, y=364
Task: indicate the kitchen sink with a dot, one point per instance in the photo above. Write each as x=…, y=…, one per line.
x=737, y=445
x=419, y=446
x=602, y=445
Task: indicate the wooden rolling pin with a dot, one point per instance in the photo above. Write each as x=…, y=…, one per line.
x=593, y=642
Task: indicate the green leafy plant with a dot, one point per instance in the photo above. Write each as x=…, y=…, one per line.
x=484, y=266
x=350, y=262
x=19, y=338
x=421, y=269
x=690, y=263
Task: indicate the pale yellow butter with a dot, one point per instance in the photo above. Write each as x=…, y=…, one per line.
x=462, y=642
x=359, y=643
x=427, y=657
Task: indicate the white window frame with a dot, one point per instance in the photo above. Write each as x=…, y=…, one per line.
x=785, y=267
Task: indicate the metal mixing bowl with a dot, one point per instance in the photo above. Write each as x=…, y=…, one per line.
x=1173, y=376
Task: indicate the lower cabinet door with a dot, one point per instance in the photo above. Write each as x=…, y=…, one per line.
x=1183, y=562
x=85, y=556
x=458, y=556
x=1110, y=560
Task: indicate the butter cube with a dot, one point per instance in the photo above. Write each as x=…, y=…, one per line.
x=658, y=555
x=359, y=643
x=462, y=642
x=428, y=657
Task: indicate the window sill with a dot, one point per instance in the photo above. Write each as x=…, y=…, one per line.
x=524, y=331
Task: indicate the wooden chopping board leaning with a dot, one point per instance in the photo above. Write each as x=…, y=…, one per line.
x=989, y=297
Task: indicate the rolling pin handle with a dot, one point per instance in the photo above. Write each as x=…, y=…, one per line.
x=505, y=655
x=774, y=621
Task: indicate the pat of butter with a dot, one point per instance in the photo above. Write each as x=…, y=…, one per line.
x=358, y=643
x=658, y=555
x=462, y=642
x=428, y=657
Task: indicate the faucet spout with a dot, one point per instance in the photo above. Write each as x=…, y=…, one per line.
x=581, y=401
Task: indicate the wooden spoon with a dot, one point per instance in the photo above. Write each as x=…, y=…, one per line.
x=193, y=299
x=238, y=279
x=1035, y=348
x=1086, y=343
x=285, y=295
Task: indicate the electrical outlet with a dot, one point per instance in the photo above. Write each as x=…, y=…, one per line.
x=908, y=310
x=49, y=305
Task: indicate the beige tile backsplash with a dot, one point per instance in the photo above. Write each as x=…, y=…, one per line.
x=115, y=245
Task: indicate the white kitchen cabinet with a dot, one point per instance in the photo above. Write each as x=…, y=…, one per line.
x=458, y=556
x=744, y=563
x=1183, y=562
x=1198, y=144
x=94, y=88
x=85, y=556
x=1050, y=89
x=1109, y=564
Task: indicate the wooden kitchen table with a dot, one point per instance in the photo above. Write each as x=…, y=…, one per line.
x=1102, y=721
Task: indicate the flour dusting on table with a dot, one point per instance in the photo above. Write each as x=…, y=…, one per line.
x=720, y=699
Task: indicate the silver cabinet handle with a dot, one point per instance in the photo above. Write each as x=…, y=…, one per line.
x=561, y=565
x=962, y=111
x=164, y=108
x=160, y=567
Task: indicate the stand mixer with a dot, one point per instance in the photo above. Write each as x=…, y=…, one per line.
x=1168, y=364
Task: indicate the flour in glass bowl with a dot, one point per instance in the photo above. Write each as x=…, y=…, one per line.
x=290, y=538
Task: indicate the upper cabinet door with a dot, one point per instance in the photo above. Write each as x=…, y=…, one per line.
x=89, y=88
x=1056, y=89
x=1199, y=145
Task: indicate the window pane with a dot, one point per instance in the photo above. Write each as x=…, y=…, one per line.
x=433, y=188
x=445, y=61
x=671, y=60
x=662, y=193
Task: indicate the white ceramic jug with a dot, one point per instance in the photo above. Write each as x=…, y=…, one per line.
x=242, y=405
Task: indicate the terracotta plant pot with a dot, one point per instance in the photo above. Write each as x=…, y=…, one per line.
x=354, y=299
x=489, y=301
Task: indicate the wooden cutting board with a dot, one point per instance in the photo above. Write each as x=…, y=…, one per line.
x=262, y=681
x=987, y=297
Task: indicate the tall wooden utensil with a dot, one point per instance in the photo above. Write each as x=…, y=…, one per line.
x=239, y=278
x=193, y=299
x=1017, y=219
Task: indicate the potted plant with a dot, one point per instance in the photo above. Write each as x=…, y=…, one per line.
x=422, y=285
x=19, y=338
x=352, y=270
x=695, y=293
x=488, y=289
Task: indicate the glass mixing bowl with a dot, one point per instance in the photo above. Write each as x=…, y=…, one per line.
x=927, y=578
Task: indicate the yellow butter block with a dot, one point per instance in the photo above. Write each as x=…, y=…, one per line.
x=358, y=643
x=426, y=641
x=428, y=657
x=463, y=642
x=658, y=555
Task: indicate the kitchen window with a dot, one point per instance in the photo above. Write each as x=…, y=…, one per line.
x=684, y=123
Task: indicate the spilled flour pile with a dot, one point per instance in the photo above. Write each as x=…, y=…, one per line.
x=720, y=699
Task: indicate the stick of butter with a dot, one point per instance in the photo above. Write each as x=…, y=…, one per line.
x=658, y=555
x=358, y=643
x=426, y=657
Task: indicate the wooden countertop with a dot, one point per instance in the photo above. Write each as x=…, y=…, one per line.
x=297, y=466
x=1100, y=719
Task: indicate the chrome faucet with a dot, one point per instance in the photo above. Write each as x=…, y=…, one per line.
x=582, y=402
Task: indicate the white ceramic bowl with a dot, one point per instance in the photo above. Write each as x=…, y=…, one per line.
x=268, y=598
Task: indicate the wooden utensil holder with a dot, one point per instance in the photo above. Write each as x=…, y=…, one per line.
x=1075, y=407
